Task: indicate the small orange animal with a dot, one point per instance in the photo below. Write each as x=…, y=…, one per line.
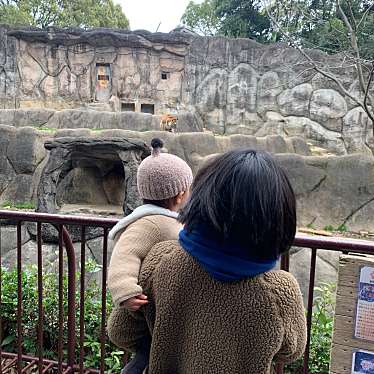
x=168, y=123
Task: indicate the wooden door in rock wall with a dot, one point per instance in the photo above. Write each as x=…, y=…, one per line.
x=103, y=82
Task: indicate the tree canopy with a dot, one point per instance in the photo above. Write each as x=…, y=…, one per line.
x=313, y=23
x=320, y=24
x=242, y=19
x=201, y=18
x=233, y=18
x=63, y=13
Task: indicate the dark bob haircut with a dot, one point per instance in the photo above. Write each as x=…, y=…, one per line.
x=244, y=197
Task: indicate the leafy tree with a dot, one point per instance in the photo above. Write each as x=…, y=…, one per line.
x=14, y=15
x=321, y=24
x=63, y=13
x=242, y=19
x=202, y=18
x=232, y=18
x=94, y=13
x=312, y=23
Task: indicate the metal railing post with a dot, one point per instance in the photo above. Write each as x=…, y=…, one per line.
x=71, y=296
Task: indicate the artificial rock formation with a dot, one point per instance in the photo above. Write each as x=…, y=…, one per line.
x=94, y=171
x=112, y=158
x=228, y=86
x=331, y=190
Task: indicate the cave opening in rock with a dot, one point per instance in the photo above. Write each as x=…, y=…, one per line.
x=90, y=184
x=93, y=175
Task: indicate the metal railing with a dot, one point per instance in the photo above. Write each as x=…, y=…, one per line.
x=23, y=362
x=67, y=359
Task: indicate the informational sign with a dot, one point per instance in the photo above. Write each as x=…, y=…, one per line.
x=364, y=328
x=363, y=362
x=352, y=349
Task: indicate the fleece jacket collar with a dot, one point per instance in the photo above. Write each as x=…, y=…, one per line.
x=140, y=212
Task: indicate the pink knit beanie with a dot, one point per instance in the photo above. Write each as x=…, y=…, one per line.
x=162, y=175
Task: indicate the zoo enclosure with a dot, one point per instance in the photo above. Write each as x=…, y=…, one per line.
x=69, y=362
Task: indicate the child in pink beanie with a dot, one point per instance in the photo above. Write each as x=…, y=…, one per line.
x=163, y=183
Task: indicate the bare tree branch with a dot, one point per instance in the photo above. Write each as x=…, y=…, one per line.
x=365, y=15
x=353, y=20
x=315, y=65
x=354, y=44
x=350, y=57
x=367, y=109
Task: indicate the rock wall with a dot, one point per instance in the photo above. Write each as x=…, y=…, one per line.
x=228, y=86
x=93, y=119
x=59, y=68
x=8, y=70
x=330, y=190
x=22, y=158
x=240, y=86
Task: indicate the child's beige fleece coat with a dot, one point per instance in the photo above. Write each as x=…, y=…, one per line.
x=134, y=236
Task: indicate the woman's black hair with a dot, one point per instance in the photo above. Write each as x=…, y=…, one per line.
x=244, y=197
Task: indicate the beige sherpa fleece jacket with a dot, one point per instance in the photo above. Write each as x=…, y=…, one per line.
x=133, y=237
x=203, y=326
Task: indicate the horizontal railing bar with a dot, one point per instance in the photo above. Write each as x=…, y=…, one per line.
x=57, y=218
x=48, y=367
x=50, y=364
x=30, y=365
x=10, y=364
x=27, y=358
x=316, y=242
x=335, y=244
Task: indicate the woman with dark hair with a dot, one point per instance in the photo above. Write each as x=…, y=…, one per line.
x=215, y=303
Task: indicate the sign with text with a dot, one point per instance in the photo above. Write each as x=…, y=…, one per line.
x=352, y=349
x=363, y=362
x=364, y=328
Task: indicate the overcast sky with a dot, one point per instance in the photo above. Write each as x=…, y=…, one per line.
x=147, y=14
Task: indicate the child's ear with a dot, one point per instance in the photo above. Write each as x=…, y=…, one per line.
x=180, y=197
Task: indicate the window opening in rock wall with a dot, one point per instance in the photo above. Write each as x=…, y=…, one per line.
x=103, y=71
x=80, y=48
x=128, y=107
x=164, y=75
x=103, y=77
x=103, y=82
x=148, y=108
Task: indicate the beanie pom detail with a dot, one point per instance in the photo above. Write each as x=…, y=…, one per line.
x=156, y=145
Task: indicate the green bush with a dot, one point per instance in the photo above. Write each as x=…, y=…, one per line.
x=329, y=228
x=25, y=205
x=321, y=333
x=92, y=317
x=340, y=228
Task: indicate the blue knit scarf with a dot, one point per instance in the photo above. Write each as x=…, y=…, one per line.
x=223, y=261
